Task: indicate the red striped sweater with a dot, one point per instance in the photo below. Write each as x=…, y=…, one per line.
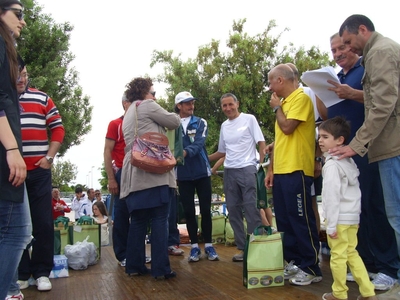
x=39, y=113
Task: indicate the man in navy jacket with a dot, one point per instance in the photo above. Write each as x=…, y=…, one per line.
x=195, y=176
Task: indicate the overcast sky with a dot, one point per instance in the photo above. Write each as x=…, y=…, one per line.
x=113, y=43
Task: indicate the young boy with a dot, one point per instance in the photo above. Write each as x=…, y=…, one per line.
x=341, y=202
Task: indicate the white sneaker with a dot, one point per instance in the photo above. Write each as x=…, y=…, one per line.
x=43, y=283
x=122, y=263
x=18, y=296
x=290, y=270
x=349, y=276
x=303, y=278
x=24, y=284
x=383, y=282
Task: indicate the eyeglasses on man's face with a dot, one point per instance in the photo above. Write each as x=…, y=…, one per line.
x=153, y=93
x=17, y=11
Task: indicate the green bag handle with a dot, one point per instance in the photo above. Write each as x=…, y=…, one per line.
x=63, y=220
x=85, y=220
x=262, y=230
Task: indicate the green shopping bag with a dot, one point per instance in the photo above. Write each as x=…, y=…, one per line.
x=263, y=259
x=218, y=227
x=61, y=234
x=262, y=200
x=229, y=234
x=85, y=227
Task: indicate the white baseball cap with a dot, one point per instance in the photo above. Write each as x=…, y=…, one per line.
x=184, y=97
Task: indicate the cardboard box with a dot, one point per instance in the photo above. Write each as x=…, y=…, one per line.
x=60, y=267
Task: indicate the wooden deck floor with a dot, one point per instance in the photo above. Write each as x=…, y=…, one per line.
x=201, y=280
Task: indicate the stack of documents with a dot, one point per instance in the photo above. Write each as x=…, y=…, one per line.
x=317, y=80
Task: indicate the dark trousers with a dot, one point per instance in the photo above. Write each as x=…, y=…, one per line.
x=135, y=260
x=121, y=224
x=295, y=217
x=376, y=239
x=187, y=190
x=173, y=233
x=38, y=185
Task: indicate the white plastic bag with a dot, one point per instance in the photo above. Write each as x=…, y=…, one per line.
x=81, y=254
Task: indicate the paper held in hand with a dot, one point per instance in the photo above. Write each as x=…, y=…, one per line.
x=317, y=80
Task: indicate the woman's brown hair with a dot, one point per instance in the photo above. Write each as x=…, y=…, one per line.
x=9, y=40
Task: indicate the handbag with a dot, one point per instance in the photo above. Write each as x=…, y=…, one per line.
x=151, y=153
x=263, y=262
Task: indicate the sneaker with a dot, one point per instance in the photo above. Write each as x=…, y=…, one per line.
x=303, y=278
x=367, y=298
x=330, y=296
x=290, y=270
x=43, y=284
x=349, y=276
x=122, y=263
x=175, y=250
x=194, y=254
x=23, y=284
x=148, y=259
x=392, y=294
x=238, y=256
x=383, y=282
x=211, y=254
x=18, y=296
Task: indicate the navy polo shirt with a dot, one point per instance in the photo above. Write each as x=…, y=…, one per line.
x=352, y=110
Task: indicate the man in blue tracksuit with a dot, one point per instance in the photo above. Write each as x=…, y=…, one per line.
x=195, y=176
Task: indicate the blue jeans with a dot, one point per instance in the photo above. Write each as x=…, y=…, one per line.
x=121, y=223
x=135, y=259
x=390, y=177
x=15, y=233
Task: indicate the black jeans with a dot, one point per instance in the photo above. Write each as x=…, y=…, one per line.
x=38, y=185
x=187, y=189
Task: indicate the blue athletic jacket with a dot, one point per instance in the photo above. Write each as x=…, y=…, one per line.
x=196, y=160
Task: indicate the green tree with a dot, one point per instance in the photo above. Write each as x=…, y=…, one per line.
x=63, y=172
x=104, y=178
x=44, y=46
x=242, y=69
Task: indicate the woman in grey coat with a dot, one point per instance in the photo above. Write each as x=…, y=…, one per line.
x=147, y=195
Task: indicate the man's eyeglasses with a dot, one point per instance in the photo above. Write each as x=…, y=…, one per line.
x=18, y=12
x=153, y=93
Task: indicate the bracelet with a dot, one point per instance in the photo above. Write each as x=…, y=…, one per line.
x=12, y=149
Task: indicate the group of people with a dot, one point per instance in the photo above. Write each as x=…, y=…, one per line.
x=355, y=191
x=352, y=189
x=359, y=196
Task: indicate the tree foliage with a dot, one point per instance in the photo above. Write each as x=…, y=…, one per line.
x=104, y=178
x=63, y=172
x=241, y=69
x=44, y=46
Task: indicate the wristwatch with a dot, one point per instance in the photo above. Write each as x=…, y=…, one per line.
x=49, y=159
x=276, y=108
x=318, y=159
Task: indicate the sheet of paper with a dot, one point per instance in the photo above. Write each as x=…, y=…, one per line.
x=317, y=81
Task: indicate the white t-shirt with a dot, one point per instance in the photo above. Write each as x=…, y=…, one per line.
x=238, y=140
x=312, y=95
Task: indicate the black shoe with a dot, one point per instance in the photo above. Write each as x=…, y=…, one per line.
x=166, y=276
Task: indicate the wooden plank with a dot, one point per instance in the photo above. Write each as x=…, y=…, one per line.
x=201, y=280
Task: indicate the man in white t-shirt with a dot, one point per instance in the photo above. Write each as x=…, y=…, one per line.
x=238, y=139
